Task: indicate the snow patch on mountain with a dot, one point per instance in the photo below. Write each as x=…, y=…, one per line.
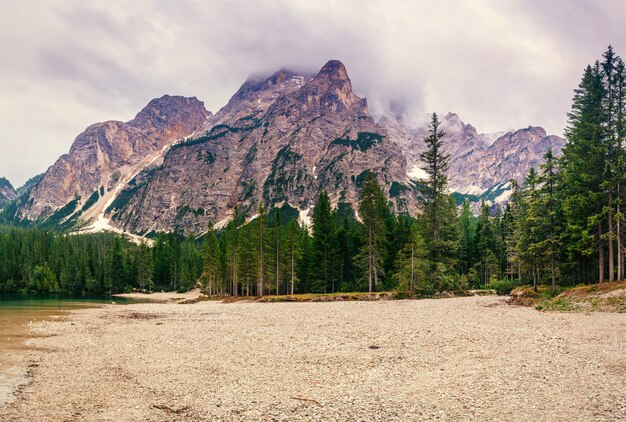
x=417, y=173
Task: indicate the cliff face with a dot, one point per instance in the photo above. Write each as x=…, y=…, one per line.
x=106, y=154
x=280, y=140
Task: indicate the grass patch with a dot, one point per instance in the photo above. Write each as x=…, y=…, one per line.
x=341, y=297
x=559, y=305
x=593, y=289
x=605, y=297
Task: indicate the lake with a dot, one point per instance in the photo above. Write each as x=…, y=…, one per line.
x=16, y=312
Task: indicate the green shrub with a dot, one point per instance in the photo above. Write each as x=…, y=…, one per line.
x=502, y=287
x=560, y=305
x=463, y=283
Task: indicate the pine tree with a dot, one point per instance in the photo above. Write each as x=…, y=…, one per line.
x=440, y=210
x=514, y=215
x=486, y=246
x=548, y=213
x=411, y=263
x=261, y=240
x=248, y=259
x=277, y=250
x=531, y=238
x=372, y=204
x=211, y=262
x=467, y=233
x=620, y=131
x=436, y=166
x=582, y=169
x=231, y=251
x=294, y=247
x=145, y=268
x=324, y=242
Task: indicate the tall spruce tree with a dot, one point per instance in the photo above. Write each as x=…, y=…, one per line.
x=440, y=210
x=436, y=166
x=372, y=205
x=324, y=242
x=532, y=235
x=582, y=169
x=211, y=262
x=549, y=213
x=293, y=245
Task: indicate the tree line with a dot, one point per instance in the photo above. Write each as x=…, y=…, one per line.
x=42, y=261
x=566, y=220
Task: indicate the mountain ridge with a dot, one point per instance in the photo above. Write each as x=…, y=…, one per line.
x=280, y=139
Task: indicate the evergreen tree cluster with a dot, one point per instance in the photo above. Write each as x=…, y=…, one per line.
x=41, y=261
x=564, y=223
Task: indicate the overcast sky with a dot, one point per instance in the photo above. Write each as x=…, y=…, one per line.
x=499, y=64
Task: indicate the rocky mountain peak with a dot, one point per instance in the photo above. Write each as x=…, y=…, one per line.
x=7, y=192
x=453, y=123
x=255, y=96
x=334, y=69
x=169, y=111
x=106, y=154
x=537, y=130
x=329, y=92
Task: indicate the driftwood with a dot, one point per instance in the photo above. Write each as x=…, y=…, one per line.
x=305, y=399
x=169, y=409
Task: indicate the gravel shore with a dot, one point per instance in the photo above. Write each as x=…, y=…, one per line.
x=472, y=358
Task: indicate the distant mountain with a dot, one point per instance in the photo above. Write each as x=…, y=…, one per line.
x=481, y=165
x=7, y=192
x=279, y=141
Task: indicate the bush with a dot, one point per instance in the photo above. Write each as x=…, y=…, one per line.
x=502, y=287
x=560, y=305
x=463, y=283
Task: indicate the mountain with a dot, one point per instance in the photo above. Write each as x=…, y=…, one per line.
x=278, y=141
x=7, y=192
x=105, y=156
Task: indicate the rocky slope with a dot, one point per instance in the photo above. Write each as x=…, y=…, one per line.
x=509, y=157
x=103, y=157
x=481, y=165
x=7, y=192
x=278, y=141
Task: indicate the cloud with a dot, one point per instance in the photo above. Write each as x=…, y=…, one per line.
x=498, y=64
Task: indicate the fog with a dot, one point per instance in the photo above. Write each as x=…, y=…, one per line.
x=498, y=64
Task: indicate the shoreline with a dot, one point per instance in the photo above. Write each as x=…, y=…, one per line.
x=14, y=354
x=161, y=297
x=385, y=360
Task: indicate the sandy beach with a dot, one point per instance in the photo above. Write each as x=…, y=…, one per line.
x=471, y=358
